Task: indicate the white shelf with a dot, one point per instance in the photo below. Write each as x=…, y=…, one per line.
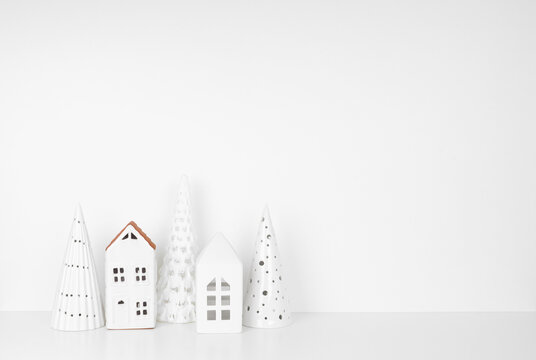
x=334, y=336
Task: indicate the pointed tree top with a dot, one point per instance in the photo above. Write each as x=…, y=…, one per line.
x=78, y=214
x=183, y=183
x=266, y=211
x=266, y=221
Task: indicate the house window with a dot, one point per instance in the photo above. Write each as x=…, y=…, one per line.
x=224, y=285
x=218, y=292
x=141, y=274
x=212, y=285
x=118, y=274
x=142, y=308
x=129, y=235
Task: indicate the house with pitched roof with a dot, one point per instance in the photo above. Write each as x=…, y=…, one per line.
x=219, y=288
x=130, y=277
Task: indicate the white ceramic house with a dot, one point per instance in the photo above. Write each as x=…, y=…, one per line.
x=219, y=288
x=130, y=276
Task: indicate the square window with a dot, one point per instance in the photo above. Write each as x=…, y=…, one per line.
x=137, y=270
x=115, y=279
x=122, y=278
x=211, y=315
x=211, y=300
x=138, y=304
x=143, y=270
x=145, y=303
x=121, y=270
x=137, y=278
x=115, y=270
x=226, y=314
x=143, y=278
x=138, y=312
x=144, y=312
x=226, y=300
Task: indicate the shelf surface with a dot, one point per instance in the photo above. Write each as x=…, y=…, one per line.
x=27, y=335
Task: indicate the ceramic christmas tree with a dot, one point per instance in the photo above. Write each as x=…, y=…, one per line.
x=78, y=303
x=176, y=280
x=266, y=304
x=130, y=275
x=219, y=288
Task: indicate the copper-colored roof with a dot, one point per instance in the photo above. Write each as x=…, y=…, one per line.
x=138, y=229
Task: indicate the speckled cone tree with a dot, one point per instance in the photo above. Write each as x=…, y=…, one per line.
x=176, y=279
x=266, y=304
x=78, y=303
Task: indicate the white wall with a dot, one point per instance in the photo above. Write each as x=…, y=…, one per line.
x=394, y=141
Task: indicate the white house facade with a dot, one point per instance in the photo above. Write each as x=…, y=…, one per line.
x=219, y=288
x=130, y=276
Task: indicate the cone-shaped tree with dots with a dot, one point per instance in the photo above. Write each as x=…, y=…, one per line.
x=176, y=279
x=266, y=304
x=78, y=303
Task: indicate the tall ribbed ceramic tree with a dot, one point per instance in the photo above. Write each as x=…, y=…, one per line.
x=78, y=303
x=266, y=304
x=176, y=279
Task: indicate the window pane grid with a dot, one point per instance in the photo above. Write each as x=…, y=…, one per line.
x=141, y=274
x=118, y=274
x=218, y=300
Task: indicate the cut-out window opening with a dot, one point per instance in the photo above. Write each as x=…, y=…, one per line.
x=131, y=235
x=141, y=308
x=224, y=300
x=224, y=285
x=141, y=270
x=212, y=285
x=117, y=272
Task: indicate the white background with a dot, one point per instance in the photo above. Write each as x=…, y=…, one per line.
x=393, y=140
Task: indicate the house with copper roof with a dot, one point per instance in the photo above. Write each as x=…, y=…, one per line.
x=130, y=277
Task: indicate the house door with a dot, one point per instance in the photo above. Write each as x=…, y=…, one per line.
x=121, y=311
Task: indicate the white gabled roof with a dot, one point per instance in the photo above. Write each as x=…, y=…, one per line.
x=218, y=251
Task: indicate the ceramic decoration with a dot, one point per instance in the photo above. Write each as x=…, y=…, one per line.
x=78, y=303
x=219, y=288
x=130, y=274
x=266, y=304
x=176, y=278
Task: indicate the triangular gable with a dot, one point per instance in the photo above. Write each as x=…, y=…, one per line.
x=219, y=250
x=139, y=230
